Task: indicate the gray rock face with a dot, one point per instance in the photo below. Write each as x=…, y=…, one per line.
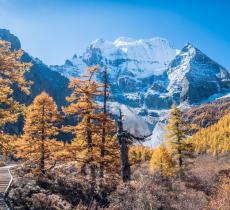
x=185, y=77
x=194, y=77
x=190, y=75
x=157, y=101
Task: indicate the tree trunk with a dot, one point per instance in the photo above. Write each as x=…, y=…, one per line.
x=180, y=159
x=42, y=148
x=42, y=158
x=90, y=150
x=125, y=166
x=161, y=170
x=103, y=125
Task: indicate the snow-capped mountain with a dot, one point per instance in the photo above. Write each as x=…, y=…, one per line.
x=146, y=77
x=194, y=77
x=149, y=75
x=137, y=58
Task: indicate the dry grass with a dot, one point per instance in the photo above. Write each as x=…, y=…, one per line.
x=205, y=185
x=201, y=187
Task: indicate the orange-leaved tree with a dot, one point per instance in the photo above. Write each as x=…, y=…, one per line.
x=94, y=145
x=109, y=151
x=177, y=134
x=38, y=145
x=11, y=78
x=162, y=162
x=214, y=139
x=83, y=105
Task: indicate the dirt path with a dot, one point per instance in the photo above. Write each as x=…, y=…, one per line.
x=5, y=181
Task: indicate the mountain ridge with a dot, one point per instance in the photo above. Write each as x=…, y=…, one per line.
x=150, y=95
x=168, y=83
x=145, y=94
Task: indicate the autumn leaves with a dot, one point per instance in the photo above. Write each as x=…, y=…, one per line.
x=11, y=74
x=93, y=145
x=38, y=144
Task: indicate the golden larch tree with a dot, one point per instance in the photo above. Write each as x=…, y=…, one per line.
x=38, y=144
x=11, y=78
x=177, y=133
x=139, y=153
x=214, y=139
x=83, y=105
x=107, y=130
x=162, y=162
x=94, y=145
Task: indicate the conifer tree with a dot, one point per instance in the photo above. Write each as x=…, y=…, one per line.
x=123, y=139
x=214, y=139
x=162, y=162
x=7, y=146
x=83, y=106
x=108, y=145
x=176, y=136
x=38, y=144
x=139, y=153
x=104, y=122
x=94, y=145
x=11, y=75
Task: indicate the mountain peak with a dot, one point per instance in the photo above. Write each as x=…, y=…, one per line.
x=123, y=41
x=98, y=42
x=188, y=50
x=138, y=58
x=188, y=46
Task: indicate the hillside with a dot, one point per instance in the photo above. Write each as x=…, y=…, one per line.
x=208, y=113
x=41, y=76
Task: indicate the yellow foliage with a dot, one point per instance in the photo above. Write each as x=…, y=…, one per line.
x=139, y=153
x=177, y=143
x=162, y=162
x=11, y=74
x=7, y=145
x=87, y=145
x=214, y=139
x=37, y=144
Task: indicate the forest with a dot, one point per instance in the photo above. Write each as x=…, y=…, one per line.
x=101, y=165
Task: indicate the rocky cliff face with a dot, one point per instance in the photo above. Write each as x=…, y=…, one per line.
x=194, y=77
x=7, y=36
x=152, y=74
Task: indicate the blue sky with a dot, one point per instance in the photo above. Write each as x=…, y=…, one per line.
x=54, y=30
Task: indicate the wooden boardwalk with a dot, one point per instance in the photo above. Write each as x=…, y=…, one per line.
x=5, y=181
